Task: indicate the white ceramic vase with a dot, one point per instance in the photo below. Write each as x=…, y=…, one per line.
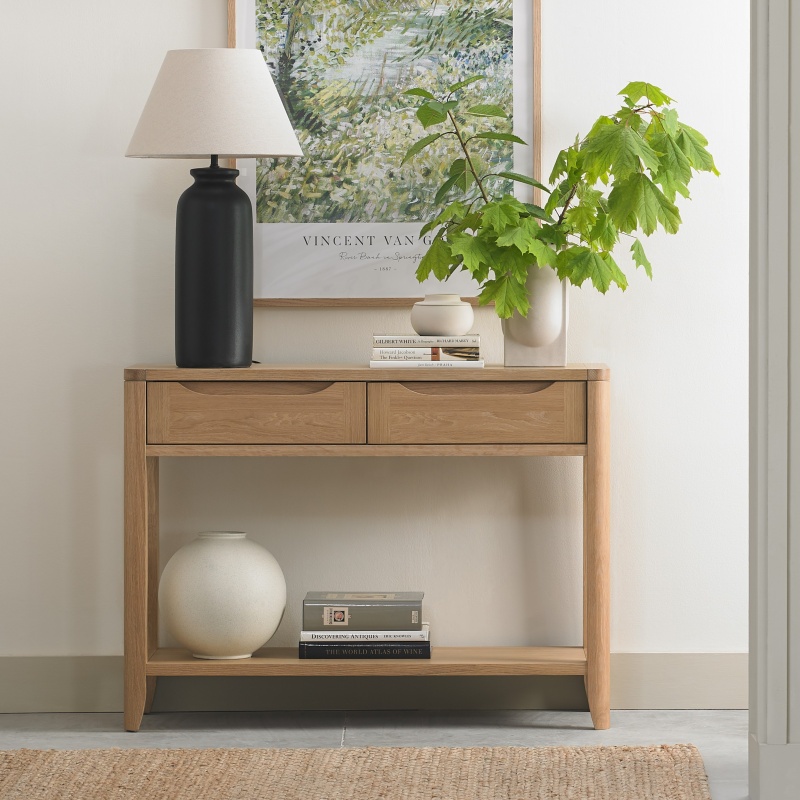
x=540, y=338
x=222, y=595
x=442, y=315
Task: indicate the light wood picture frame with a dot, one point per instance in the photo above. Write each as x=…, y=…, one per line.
x=276, y=287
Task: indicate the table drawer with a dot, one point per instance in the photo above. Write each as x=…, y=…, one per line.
x=472, y=412
x=245, y=412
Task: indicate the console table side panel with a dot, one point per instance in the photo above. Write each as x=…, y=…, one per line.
x=136, y=550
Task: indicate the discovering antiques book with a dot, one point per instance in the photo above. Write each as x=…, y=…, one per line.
x=363, y=611
x=365, y=650
x=366, y=636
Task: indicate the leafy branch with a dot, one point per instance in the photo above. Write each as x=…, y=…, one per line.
x=621, y=179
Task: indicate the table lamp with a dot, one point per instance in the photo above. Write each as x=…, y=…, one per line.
x=216, y=103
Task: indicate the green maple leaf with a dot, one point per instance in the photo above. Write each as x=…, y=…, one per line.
x=521, y=236
x=581, y=218
x=475, y=250
x=617, y=275
x=437, y=260
x=619, y=150
x=544, y=255
x=559, y=196
x=554, y=235
x=578, y=263
x=560, y=167
x=588, y=196
x=674, y=171
x=508, y=294
x=600, y=123
x=635, y=90
x=471, y=221
x=640, y=259
x=669, y=121
x=693, y=144
x=498, y=214
x=639, y=200
x=510, y=260
x=630, y=118
x=455, y=211
x=604, y=231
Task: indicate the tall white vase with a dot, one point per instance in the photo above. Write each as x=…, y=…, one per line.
x=540, y=339
x=222, y=595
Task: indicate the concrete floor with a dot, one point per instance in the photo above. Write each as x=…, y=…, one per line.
x=721, y=736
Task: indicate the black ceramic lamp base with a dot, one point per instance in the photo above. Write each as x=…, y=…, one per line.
x=214, y=272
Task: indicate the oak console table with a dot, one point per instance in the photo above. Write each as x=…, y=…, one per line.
x=357, y=411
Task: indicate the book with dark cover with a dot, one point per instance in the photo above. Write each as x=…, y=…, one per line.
x=417, y=363
x=365, y=649
x=364, y=611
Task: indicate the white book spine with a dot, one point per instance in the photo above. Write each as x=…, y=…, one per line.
x=416, y=364
x=396, y=340
x=372, y=636
x=397, y=352
x=422, y=354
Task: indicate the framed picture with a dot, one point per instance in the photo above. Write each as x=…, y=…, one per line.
x=340, y=226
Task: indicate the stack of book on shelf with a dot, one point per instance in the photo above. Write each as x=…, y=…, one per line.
x=364, y=625
x=397, y=350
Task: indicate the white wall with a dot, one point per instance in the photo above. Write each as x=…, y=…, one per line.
x=87, y=289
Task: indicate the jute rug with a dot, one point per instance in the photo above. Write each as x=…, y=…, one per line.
x=667, y=772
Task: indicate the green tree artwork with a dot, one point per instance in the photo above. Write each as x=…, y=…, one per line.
x=342, y=67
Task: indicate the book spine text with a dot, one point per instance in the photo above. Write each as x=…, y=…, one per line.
x=366, y=636
x=335, y=616
x=425, y=353
x=394, y=340
x=415, y=363
x=365, y=650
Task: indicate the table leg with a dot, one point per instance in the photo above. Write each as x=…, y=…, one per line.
x=136, y=552
x=596, y=554
x=152, y=572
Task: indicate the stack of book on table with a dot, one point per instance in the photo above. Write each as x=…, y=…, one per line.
x=364, y=625
x=398, y=350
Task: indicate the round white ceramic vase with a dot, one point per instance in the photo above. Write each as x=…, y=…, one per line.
x=442, y=315
x=222, y=595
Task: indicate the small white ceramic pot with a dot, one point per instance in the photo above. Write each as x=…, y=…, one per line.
x=442, y=315
x=222, y=595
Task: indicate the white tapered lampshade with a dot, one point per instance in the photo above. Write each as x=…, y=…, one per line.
x=214, y=102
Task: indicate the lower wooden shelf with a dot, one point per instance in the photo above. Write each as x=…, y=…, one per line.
x=443, y=661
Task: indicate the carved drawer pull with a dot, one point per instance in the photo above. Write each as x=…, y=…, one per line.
x=462, y=388
x=239, y=388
